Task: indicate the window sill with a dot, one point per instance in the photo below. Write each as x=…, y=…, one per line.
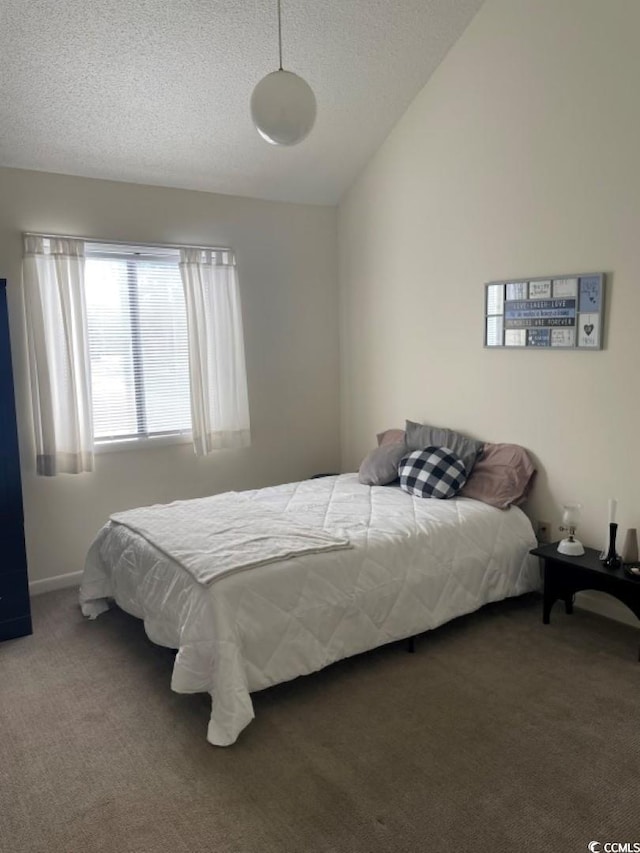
x=142, y=443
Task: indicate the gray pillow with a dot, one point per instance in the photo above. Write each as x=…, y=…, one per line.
x=380, y=466
x=420, y=436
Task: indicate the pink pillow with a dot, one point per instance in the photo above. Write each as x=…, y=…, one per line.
x=390, y=436
x=502, y=476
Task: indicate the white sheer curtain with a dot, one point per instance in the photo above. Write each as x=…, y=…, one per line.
x=219, y=403
x=53, y=282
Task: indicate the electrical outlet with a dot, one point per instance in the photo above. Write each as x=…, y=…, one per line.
x=544, y=532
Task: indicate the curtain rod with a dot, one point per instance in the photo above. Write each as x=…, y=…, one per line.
x=129, y=242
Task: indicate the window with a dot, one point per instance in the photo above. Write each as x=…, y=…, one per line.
x=138, y=345
x=128, y=343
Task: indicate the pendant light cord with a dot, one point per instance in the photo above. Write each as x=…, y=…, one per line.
x=279, y=35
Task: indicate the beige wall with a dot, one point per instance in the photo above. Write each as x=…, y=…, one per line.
x=288, y=279
x=521, y=157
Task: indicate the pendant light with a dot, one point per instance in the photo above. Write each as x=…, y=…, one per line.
x=283, y=106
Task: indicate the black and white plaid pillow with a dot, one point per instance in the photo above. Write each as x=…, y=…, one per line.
x=435, y=472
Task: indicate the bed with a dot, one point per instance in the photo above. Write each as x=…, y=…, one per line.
x=409, y=565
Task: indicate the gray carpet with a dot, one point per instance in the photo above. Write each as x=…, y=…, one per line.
x=499, y=734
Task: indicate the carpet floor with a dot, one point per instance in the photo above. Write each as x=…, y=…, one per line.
x=499, y=734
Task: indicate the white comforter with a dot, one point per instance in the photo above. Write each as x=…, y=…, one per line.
x=414, y=564
x=213, y=537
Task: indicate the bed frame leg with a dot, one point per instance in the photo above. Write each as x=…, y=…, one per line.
x=411, y=645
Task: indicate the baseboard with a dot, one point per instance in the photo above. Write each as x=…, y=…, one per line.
x=606, y=605
x=59, y=582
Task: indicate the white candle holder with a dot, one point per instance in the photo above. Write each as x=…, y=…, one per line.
x=570, y=546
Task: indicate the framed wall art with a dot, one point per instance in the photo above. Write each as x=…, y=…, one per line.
x=556, y=312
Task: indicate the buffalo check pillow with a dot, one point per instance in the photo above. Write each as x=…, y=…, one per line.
x=435, y=472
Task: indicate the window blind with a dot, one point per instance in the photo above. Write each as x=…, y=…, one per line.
x=137, y=341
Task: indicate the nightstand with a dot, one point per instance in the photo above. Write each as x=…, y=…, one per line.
x=564, y=576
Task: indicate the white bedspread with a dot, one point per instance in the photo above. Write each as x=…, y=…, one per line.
x=213, y=537
x=414, y=564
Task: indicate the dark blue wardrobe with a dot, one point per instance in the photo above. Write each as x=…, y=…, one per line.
x=15, y=615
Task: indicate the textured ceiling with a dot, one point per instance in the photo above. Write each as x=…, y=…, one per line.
x=157, y=91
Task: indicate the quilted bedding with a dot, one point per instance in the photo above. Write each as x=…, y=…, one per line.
x=414, y=565
x=213, y=537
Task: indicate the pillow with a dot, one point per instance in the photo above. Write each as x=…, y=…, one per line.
x=435, y=472
x=420, y=436
x=380, y=466
x=390, y=436
x=502, y=476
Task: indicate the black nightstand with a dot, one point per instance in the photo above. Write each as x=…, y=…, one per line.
x=564, y=576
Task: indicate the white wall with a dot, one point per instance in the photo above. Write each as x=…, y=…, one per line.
x=519, y=158
x=287, y=263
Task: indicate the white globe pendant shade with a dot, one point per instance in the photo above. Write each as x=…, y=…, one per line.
x=283, y=108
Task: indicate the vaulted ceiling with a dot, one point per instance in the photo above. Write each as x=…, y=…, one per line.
x=157, y=91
